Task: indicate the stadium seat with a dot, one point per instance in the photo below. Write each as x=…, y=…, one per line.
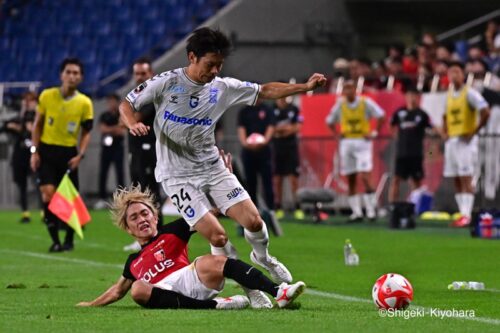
x=106, y=35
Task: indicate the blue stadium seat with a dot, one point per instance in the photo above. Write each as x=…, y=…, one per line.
x=106, y=35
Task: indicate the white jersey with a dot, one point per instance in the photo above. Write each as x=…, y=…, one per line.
x=186, y=114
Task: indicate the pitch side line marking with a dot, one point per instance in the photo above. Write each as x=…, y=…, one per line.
x=84, y=244
x=54, y=257
x=345, y=298
x=319, y=293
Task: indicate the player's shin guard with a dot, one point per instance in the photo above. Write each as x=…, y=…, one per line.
x=227, y=250
x=52, y=224
x=259, y=241
x=249, y=276
x=166, y=299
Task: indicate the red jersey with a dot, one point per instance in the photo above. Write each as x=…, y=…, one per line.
x=162, y=255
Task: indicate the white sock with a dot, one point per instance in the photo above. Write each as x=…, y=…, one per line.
x=227, y=250
x=459, y=197
x=369, y=200
x=468, y=198
x=259, y=241
x=355, y=204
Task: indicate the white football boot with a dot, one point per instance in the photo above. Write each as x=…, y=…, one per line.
x=258, y=300
x=288, y=292
x=278, y=271
x=231, y=303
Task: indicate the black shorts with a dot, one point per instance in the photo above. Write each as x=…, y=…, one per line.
x=54, y=164
x=410, y=167
x=286, y=159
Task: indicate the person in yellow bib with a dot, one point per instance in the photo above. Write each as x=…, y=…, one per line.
x=63, y=116
x=353, y=113
x=460, y=128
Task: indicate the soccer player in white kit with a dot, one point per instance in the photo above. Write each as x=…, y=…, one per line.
x=189, y=102
x=356, y=156
x=461, y=125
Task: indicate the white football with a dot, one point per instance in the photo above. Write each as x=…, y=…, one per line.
x=392, y=291
x=255, y=138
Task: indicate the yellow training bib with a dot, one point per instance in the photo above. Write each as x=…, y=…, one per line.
x=353, y=122
x=461, y=119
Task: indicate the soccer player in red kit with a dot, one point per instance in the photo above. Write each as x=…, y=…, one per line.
x=161, y=275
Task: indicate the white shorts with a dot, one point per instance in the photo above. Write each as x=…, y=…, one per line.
x=195, y=196
x=355, y=156
x=186, y=282
x=460, y=157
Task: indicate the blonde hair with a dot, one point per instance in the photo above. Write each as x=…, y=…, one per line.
x=124, y=197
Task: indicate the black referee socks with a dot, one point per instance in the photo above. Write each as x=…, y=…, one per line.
x=52, y=223
x=249, y=276
x=166, y=299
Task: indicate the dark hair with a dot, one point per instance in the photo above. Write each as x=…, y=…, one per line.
x=448, y=46
x=143, y=60
x=114, y=96
x=412, y=89
x=71, y=61
x=365, y=61
x=482, y=62
x=205, y=40
x=457, y=64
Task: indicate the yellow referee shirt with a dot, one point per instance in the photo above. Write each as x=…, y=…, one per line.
x=63, y=117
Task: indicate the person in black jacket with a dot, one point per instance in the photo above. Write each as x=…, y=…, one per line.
x=21, y=128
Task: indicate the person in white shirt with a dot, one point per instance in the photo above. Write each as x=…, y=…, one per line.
x=189, y=101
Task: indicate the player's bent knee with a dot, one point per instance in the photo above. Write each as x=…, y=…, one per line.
x=254, y=222
x=140, y=292
x=218, y=239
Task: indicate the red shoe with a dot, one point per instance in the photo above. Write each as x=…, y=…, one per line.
x=462, y=221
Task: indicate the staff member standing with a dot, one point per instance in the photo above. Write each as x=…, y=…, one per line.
x=461, y=148
x=356, y=148
x=21, y=127
x=112, y=150
x=409, y=124
x=286, y=154
x=257, y=157
x=63, y=114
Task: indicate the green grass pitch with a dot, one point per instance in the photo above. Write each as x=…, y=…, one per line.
x=338, y=297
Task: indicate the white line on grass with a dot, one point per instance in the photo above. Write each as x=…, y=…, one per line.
x=84, y=244
x=345, y=298
x=319, y=293
x=55, y=257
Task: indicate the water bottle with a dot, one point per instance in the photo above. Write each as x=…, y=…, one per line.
x=464, y=285
x=351, y=258
x=458, y=285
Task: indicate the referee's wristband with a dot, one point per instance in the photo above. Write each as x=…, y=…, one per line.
x=82, y=156
x=33, y=149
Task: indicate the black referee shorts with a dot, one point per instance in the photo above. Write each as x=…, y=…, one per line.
x=286, y=159
x=410, y=167
x=54, y=163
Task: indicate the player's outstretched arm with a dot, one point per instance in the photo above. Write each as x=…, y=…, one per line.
x=135, y=127
x=275, y=90
x=113, y=294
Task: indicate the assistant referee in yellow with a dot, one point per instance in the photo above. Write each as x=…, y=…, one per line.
x=62, y=116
